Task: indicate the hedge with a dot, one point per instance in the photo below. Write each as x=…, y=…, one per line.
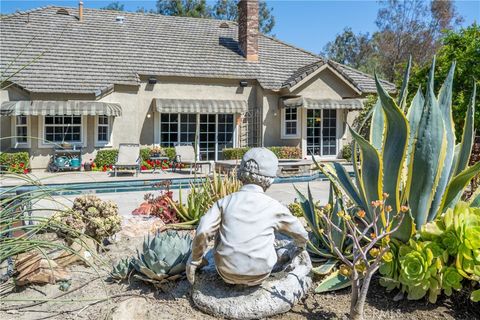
x=17, y=162
x=280, y=152
x=107, y=157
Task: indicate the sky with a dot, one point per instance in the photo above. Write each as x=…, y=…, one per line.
x=306, y=24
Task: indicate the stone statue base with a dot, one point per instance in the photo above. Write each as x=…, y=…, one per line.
x=287, y=285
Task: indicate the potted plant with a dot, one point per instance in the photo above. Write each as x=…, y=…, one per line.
x=87, y=166
x=157, y=152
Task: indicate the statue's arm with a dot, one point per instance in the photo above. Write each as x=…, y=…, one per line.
x=291, y=226
x=207, y=228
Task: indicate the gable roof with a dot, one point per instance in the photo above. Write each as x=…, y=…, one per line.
x=90, y=56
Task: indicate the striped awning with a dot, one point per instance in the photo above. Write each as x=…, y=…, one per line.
x=348, y=104
x=57, y=108
x=200, y=106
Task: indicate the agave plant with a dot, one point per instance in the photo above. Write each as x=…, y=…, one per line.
x=412, y=157
x=320, y=248
x=122, y=269
x=163, y=258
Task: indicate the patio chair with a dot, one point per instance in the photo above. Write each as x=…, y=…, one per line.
x=128, y=157
x=186, y=155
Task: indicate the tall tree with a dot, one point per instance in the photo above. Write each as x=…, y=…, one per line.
x=464, y=48
x=227, y=10
x=115, y=5
x=355, y=50
x=411, y=28
x=184, y=8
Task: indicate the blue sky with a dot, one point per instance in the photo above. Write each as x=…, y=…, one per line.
x=306, y=24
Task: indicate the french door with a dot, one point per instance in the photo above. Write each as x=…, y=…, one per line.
x=322, y=132
x=215, y=132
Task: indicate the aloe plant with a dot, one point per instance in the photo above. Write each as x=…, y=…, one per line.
x=163, y=258
x=412, y=157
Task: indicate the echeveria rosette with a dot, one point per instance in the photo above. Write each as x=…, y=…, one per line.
x=389, y=268
x=420, y=264
x=451, y=280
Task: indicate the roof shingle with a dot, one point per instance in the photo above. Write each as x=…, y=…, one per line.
x=87, y=57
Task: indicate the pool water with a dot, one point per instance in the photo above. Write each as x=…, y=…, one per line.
x=141, y=185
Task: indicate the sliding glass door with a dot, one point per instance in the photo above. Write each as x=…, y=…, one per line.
x=322, y=132
x=215, y=132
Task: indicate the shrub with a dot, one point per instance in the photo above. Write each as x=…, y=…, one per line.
x=280, y=152
x=347, y=152
x=16, y=162
x=106, y=157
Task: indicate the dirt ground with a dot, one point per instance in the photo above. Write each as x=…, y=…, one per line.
x=137, y=300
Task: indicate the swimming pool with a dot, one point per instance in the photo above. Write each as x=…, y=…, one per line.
x=139, y=185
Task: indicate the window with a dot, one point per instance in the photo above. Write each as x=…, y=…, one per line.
x=169, y=129
x=290, y=123
x=215, y=132
x=21, y=130
x=63, y=129
x=103, y=130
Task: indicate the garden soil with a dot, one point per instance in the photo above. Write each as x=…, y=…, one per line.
x=137, y=300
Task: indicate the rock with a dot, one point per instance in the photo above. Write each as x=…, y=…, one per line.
x=81, y=252
x=140, y=226
x=35, y=268
x=278, y=294
x=131, y=309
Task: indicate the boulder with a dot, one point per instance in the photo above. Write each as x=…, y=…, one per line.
x=277, y=294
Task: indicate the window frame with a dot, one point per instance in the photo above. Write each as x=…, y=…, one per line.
x=284, y=121
x=42, y=143
x=108, y=142
x=15, y=143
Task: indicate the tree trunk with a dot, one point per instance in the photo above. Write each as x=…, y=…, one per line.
x=357, y=309
x=355, y=295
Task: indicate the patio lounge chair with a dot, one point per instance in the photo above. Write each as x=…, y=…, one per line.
x=128, y=157
x=186, y=155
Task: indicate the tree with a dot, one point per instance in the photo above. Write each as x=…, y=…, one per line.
x=355, y=50
x=227, y=10
x=116, y=6
x=464, y=48
x=411, y=28
x=183, y=8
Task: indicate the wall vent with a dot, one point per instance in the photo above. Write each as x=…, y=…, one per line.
x=224, y=25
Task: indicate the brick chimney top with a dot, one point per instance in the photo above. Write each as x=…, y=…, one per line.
x=80, y=11
x=248, y=29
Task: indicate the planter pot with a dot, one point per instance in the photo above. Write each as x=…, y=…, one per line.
x=87, y=167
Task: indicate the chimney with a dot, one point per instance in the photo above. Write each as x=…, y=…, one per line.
x=248, y=29
x=80, y=11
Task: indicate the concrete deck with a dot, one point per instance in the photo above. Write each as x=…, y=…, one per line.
x=46, y=177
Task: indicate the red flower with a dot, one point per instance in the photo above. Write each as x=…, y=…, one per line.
x=143, y=168
x=93, y=165
x=25, y=171
x=158, y=162
x=111, y=166
x=22, y=164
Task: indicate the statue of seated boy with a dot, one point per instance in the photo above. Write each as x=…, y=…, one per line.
x=243, y=225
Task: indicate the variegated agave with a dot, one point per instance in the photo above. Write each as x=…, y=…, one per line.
x=411, y=157
x=121, y=270
x=163, y=258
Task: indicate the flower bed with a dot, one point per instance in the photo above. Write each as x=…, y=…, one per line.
x=106, y=158
x=15, y=162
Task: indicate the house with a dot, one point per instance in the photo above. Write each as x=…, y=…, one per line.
x=98, y=78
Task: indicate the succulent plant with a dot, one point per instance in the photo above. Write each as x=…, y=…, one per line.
x=121, y=270
x=163, y=258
